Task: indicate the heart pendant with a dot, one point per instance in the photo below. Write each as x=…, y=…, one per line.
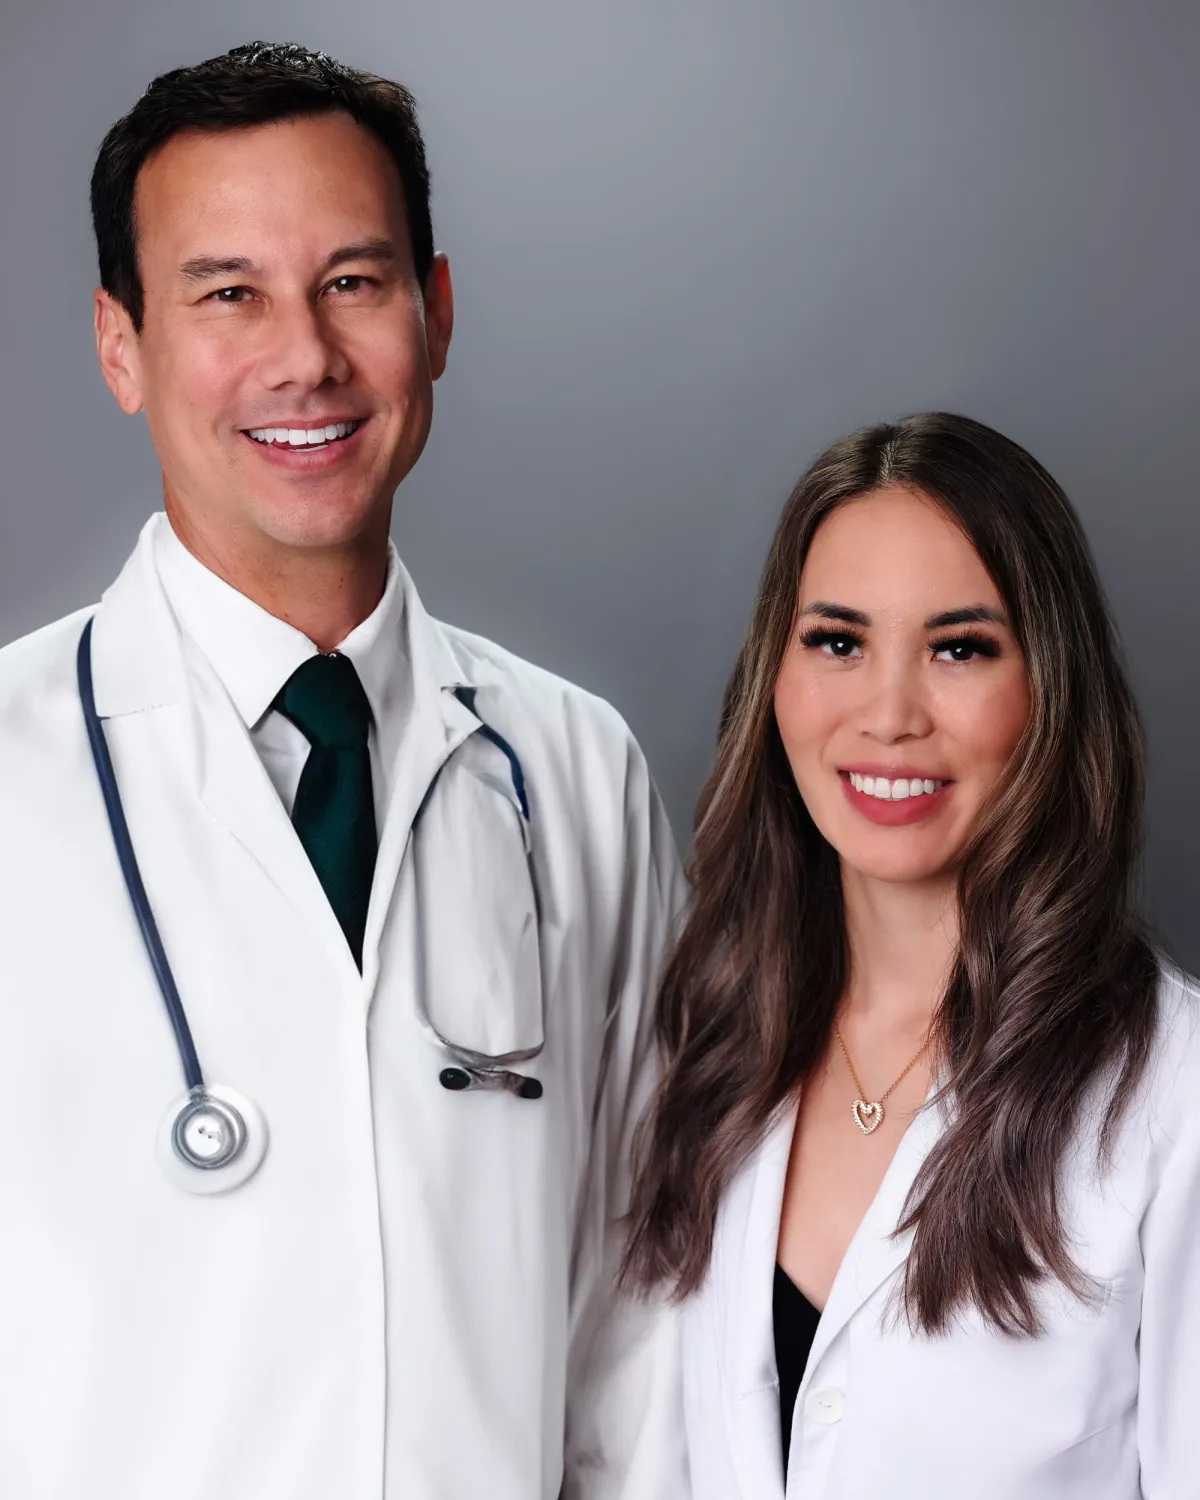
x=867, y=1117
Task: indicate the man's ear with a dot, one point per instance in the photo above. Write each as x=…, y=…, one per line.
x=117, y=350
x=439, y=313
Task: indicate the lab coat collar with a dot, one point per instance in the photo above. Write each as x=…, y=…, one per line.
x=141, y=662
x=138, y=661
x=137, y=652
x=745, y=1272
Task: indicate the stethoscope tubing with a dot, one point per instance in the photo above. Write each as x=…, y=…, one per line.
x=464, y=1075
x=130, y=871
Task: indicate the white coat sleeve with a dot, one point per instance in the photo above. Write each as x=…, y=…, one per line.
x=1169, y=1341
x=624, y=1419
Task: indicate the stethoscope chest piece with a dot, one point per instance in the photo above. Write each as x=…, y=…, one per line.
x=211, y=1140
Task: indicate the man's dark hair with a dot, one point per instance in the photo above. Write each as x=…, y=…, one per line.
x=251, y=85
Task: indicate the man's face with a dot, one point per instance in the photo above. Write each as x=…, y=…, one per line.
x=287, y=353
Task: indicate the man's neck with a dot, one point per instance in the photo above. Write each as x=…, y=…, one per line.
x=322, y=592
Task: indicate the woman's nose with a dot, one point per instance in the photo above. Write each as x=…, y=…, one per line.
x=895, y=706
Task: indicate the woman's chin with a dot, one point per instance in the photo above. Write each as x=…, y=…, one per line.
x=898, y=865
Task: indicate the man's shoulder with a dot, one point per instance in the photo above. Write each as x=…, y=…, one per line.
x=36, y=666
x=518, y=691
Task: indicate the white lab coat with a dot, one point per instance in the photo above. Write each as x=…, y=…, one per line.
x=1103, y=1407
x=413, y=1295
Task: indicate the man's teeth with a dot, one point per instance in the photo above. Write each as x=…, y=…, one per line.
x=893, y=791
x=304, y=437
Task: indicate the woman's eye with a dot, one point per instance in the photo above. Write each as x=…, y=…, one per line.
x=965, y=649
x=832, y=643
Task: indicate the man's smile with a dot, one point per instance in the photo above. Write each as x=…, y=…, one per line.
x=311, y=438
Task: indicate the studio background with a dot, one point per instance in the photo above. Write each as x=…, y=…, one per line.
x=692, y=242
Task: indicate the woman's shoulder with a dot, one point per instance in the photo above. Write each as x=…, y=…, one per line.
x=1178, y=1022
x=1171, y=1086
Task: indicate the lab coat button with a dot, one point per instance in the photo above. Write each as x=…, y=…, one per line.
x=825, y=1404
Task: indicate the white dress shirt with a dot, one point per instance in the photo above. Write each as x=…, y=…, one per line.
x=254, y=653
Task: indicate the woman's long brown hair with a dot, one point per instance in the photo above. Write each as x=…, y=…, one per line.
x=1052, y=1003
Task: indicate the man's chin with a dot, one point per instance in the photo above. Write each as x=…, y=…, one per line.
x=320, y=522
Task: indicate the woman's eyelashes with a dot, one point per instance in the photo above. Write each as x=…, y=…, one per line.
x=965, y=646
x=839, y=643
x=843, y=645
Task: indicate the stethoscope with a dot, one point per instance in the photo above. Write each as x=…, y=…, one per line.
x=215, y=1138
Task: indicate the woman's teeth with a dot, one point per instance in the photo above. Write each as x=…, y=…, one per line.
x=304, y=437
x=893, y=791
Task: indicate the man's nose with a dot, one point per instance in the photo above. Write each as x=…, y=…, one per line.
x=301, y=349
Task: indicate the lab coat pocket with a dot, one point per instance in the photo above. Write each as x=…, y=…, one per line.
x=477, y=925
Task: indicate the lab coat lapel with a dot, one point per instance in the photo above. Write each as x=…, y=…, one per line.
x=745, y=1270
x=236, y=790
x=438, y=725
x=876, y=1252
x=141, y=663
x=746, y=1278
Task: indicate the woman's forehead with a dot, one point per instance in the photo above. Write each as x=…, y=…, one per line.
x=892, y=549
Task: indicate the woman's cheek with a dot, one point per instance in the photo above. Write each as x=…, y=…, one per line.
x=989, y=722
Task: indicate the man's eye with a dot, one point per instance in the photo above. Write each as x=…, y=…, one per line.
x=348, y=283
x=229, y=294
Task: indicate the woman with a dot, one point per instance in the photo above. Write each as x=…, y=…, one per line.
x=925, y=1164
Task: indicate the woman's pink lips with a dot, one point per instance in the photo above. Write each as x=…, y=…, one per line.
x=895, y=814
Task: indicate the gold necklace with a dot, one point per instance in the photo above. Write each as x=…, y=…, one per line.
x=869, y=1117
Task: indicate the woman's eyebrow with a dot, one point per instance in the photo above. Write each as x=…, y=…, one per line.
x=826, y=611
x=972, y=614
x=975, y=614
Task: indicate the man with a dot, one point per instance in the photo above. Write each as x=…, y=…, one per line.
x=412, y=893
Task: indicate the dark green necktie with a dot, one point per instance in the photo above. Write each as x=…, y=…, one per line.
x=334, y=811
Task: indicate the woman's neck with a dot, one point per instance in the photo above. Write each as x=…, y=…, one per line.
x=903, y=941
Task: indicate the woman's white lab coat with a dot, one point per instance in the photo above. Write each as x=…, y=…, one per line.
x=1104, y=1406
x=413, y=1295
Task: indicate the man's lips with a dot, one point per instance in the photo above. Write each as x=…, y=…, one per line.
x=307, y=458
x=309, y=434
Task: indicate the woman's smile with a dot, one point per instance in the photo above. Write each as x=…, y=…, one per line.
x=896, y=800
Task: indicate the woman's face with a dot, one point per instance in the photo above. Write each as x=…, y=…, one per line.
x=903, y=692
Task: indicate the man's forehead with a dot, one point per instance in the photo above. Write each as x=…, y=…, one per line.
x=240, y=194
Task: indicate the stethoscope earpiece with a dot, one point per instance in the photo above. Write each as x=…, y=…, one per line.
x=461, y=1078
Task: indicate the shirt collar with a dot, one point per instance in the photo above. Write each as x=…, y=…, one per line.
x=254, y=653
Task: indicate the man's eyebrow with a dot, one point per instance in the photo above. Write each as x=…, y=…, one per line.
x=207, y=267
x=826, y=611
x=975, y=614
x=380, y=251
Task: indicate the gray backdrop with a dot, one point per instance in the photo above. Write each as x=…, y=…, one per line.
x=693, y=241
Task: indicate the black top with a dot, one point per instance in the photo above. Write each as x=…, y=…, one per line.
x=796, y=1322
